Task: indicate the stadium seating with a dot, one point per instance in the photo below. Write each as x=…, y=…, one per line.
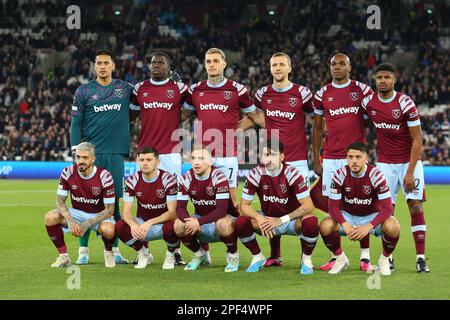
x=36, y=95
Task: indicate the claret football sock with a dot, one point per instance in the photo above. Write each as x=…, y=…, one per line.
x=56, y=234
x=418, y=229
x=333, y=243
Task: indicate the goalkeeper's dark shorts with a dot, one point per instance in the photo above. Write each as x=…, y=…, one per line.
x=113, y=162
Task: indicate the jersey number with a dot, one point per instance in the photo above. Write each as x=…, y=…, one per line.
x=417, y=184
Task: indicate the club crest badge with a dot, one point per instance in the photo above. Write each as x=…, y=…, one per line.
x=160, y=193
x=210, y=191
x=170, y=93
x=367, y=190
x=118, y=93
x=96, y=191
x=283, y=188
x=292, y=102
x=396, y=113
x=227, y=95
x=354, y=96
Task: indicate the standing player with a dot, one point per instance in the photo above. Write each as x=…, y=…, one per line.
x=92, y=195
x=215, y=214
x=156, y=194
x=339, y=103
x=360, y=205
x=397, y=127
x=159, y=101
x=218, y=102
x=100, y=115
x=284, y=105
x=285, y=203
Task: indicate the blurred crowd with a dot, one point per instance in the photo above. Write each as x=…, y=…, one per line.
x=35, y=105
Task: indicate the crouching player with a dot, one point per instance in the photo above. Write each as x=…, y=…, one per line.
x=92, y=195
x=215, y=214
x=286, y=207
x=156, y=194
x=359, y=203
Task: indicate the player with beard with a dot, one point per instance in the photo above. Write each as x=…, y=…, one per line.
x=360, y=204
x=397, y=127
x=92, y=195
x=100, y=115
x=282, y=109
x=286, y=207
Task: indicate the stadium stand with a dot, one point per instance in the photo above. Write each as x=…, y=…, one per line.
x=42, y=62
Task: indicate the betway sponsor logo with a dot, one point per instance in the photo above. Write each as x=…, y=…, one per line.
x=344, y=110
x=158, y=105
x=275, y=199
x=107, y=107
x=84, y=200
x=281, y=114
x=213, y=106
x=366, y=202
x=204, y=202
x=384, y=125
x=150, y=206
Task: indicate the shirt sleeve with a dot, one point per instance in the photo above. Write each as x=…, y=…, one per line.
x=182, y=201
x=317, y=103
x=170, y=187
x=409, y=110
x=335, y=200
x=258, y=97
x=245, y=102
x=129, y=192
x=135, y=104
x=250, y=186
x=109, y=197
x=307, y=99
x=188, y=103
x=383, y=193
x=300, y=188
x=63, y=186
x=76, y=123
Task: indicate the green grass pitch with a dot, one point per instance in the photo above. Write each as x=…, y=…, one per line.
x=26, y=254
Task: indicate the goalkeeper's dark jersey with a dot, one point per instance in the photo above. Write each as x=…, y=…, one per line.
x=100, y=115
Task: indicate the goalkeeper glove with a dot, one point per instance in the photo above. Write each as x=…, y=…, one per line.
x=74, y=154
x=175, y=76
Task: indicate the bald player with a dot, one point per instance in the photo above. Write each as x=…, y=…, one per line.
x=339, y=104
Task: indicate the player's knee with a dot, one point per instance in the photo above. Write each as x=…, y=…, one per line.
x=179, y=227
x=391, y=227
x=52, y=218
x=326, y=226
x=107, y=230
x=415, y=207
x=224, y=226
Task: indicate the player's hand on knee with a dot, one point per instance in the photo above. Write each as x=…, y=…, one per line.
x=349, y=230
x=76, y=230
x=192, y=225
x=145, y=227
x=136, y=232
x=271, y=223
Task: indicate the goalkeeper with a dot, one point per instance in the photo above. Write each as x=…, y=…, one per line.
x=100, y=115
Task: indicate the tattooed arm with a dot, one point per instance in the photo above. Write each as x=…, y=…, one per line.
x=62, y=209
x=99, y=217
